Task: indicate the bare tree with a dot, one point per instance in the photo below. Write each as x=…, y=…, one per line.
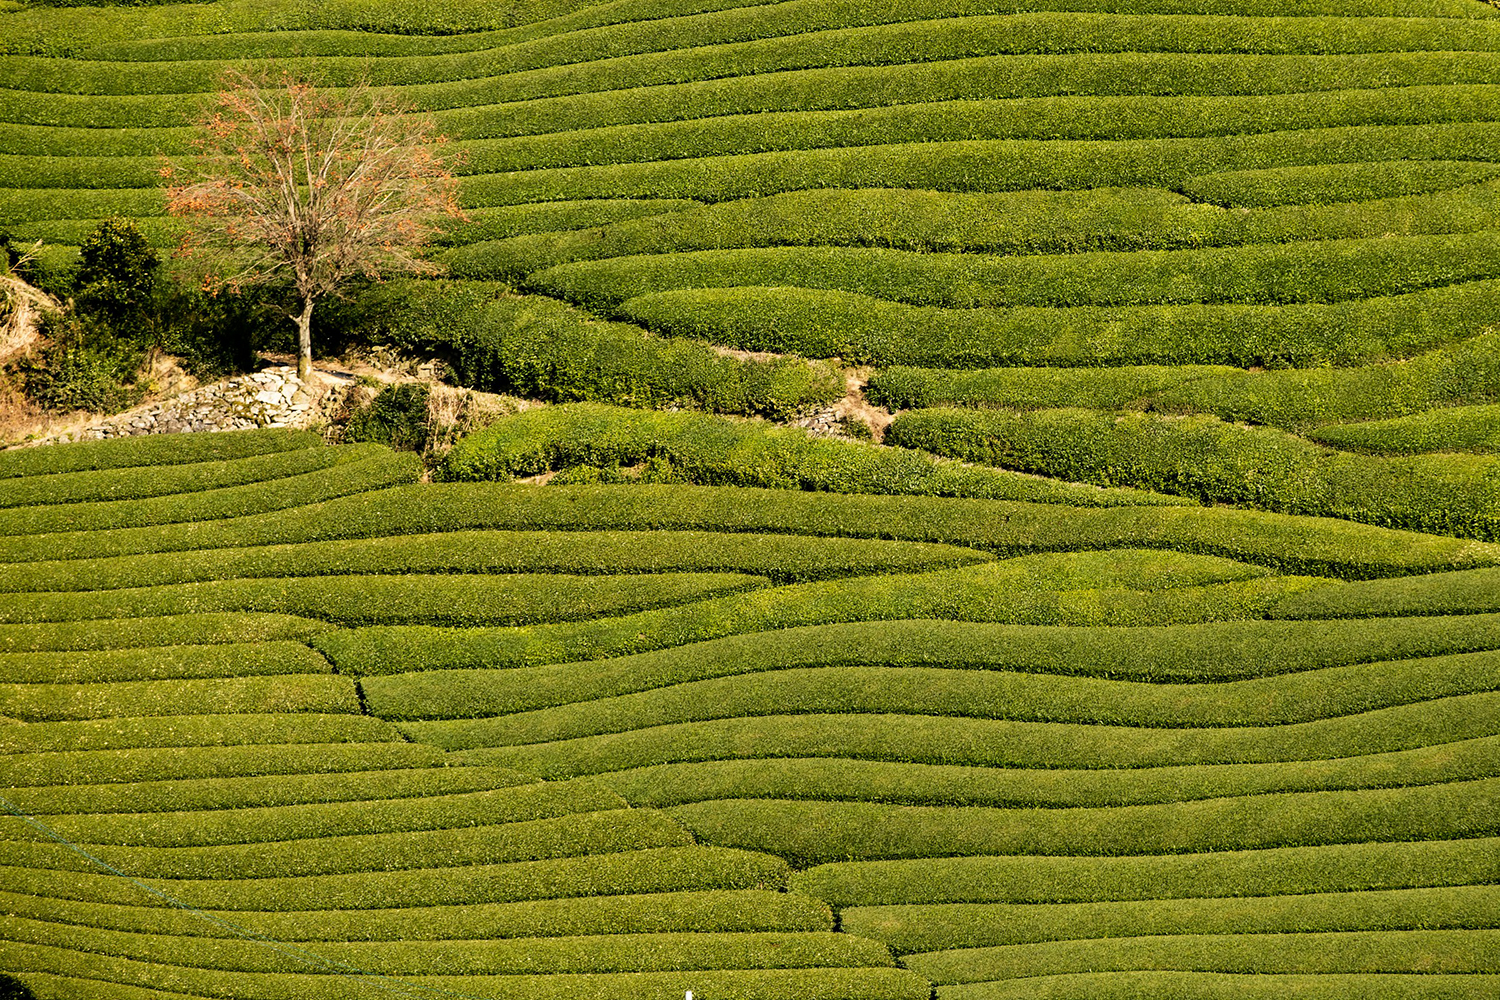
x=301, y=185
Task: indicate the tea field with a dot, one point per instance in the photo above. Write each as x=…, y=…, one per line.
x=1155, y=653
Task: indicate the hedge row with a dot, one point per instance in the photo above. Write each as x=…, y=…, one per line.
x=1230, y=986
x=857, y=328
x=357, y=469
x=1460, y=372
x=1215, y=461
x=691, y=867
x=1213, y=653
x=753, y=984
x=960, y=595
x=1334, y=182
x=703, y=911
x=691, y=448
x=808, y=833
x=1464, y=371
x=1214, y=875
x=845, y=779
x=155, y=450
x=614, y=953
x=194, y=731
x=1338, y=692
x=162, y=663
x=1270, y=274
x=975, y=925
x=1456, y=428
x=1460, y=593
x=44, y=702
x=166, y=630
x=1316, y=953
x=781, y=558
x=984, y=165
x=372, y=599
x=139, y=482
x=380, y=815
x=538, y=348
x=605, y=832
x=168, y=763
x=410, y=777
x=1031, y=222
x=925, y=739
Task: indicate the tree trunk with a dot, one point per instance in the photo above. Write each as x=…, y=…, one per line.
x=304, y=340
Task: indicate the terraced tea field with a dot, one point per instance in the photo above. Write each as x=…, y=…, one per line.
x=1155, y=653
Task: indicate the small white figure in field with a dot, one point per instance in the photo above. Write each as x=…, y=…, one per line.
x=688, y=996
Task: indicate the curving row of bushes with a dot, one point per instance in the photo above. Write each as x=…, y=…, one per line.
x=1216, y=461
x=156, y=451
x=170, y=629
x=50, y=702
x=162, y=663
x=1456, y=428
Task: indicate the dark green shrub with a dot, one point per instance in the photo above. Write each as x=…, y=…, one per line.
x=118, y=273
x=397, y=416
x=12, y=988
x=85, y=367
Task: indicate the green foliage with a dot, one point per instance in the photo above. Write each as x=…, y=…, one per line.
x=1216, y=461
x=119, y=270
x=1021, y=388
x=169, y=630
x=1457, y=428
x=162, y=662
x=85, y=367
x=538, y=348
x=713, y=450
x=1335, y=182
x=821, y=323
x=396, y=417
x=48, y=702
x=151, y=450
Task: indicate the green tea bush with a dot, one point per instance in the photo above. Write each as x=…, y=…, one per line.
x=154, y=450
x=808, y=833
x=1456, y=428
x=162, y=663
x=367, y=599
x=1334, y=182
x=821, y=323
x=314, y=820
x=845, y=779
x=1230, y=986
x=975, y=925
x=141, y=482
x=396, y=417
x=167, y=630
x=703, y=911
x=710, y=450
x=62, y=766
x=48, y=702
x=534, y=347
x=413, y=777
x=782, y=558
x=1216, y=461
x=923, y=739
x=1213, y=875
x=355, y=469
x=1020, y=388
x=1272, y=274
x=1464, y=592
x=196, y=731
x=1315, y=953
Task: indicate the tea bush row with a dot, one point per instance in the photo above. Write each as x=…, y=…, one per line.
x=923, y=739
x=975, y=925
x=844, y=779
x=808, y=833
x=691, y=448
x=703, y=910
x=1030, y=222
x=1456, y=428
x=606, y=832
x=1296, y=698
x=380, y=815
x=138, y=482
x=165, y=630
x=357, y=468
x=1226, y=986
x=366, y=599
x=1340, y=182
x=410, y=777
x=865, y=330
x=538, y=348
x=1464, y=371
x=783, y=558
x=1216, y=652
x=45, y=702
x=1217, y=461
x=162, y=663
x=153, y=450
